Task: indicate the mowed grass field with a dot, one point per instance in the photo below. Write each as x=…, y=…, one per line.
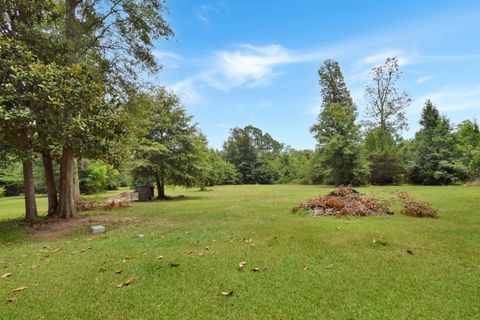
x=310, y=268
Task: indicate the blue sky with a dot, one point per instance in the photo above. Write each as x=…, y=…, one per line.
x=243, y=62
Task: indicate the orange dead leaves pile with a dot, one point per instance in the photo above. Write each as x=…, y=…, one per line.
x=341, y=202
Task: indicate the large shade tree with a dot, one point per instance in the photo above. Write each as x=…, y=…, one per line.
x=170, y=150
x=113, y=36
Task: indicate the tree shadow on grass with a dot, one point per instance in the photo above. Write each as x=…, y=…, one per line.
x=178, y=198
x=14, y=230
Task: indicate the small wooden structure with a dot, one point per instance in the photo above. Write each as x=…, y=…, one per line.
x=131, y=196
x=145, y=193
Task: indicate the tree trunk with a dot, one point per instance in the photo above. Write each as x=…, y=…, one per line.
x=29, y=190
x=50, y=182
x=160, y=187
x=66, y=206
x=76, y=180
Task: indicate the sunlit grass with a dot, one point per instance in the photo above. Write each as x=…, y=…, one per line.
x=208, y=234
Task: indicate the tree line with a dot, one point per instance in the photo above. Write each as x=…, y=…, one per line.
x=76, y=118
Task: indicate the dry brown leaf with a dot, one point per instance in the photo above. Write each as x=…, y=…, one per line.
x=55, y=250
x=160, y=257
x=19, y=289
x=227, y=293
x=118, y=271
x=200, y=254
x=330, y=266
x=241, y=265
x=12, y=299
x=305, y=267
x=6, y=275
x=256, y=269
x=126, y=282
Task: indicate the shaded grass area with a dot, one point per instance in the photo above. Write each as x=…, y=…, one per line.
x=323, y=267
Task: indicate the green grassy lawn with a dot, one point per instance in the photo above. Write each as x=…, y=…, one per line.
x=348, y=275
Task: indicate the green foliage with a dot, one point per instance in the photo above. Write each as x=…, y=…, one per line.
x=339, y=156
x=386, y=110
x=384, y=157
x=436, y=153
x=467, y=139
x=333, y=87
x=293, y=166
x=170, y=149
x=250, y=150
x=217, y=170
x=47, y=105
x=97, y=176
x=11, y=179
x=338, y=137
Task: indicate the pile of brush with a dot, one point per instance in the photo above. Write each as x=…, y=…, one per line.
x=90, y=205
x=343, y=202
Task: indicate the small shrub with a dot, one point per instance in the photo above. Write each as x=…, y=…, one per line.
x=416, y=208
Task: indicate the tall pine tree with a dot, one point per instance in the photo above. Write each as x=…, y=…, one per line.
x=436, y=152
x=339, y=158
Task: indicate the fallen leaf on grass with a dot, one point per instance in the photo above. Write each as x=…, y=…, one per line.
x=19, y=289
x=12, y=299
x=256, y=269
x=227, y=293
x=6, y=275
x=241, y=265
x=410, y=252
x=173, y=264
x=305, y=267
x=160, y=257
x=55, y=250
x=118, y=271
x=330, y=266
x=126, y=282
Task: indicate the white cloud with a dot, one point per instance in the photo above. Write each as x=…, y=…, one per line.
x=452, y=98
x=187, y=92
x=204, y=11
x=423, y=79
x=252, y=66
x=404, y=58
x=160, y=54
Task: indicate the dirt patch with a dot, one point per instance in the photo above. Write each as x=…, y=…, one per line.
x=53, y=229
x=342, y=202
